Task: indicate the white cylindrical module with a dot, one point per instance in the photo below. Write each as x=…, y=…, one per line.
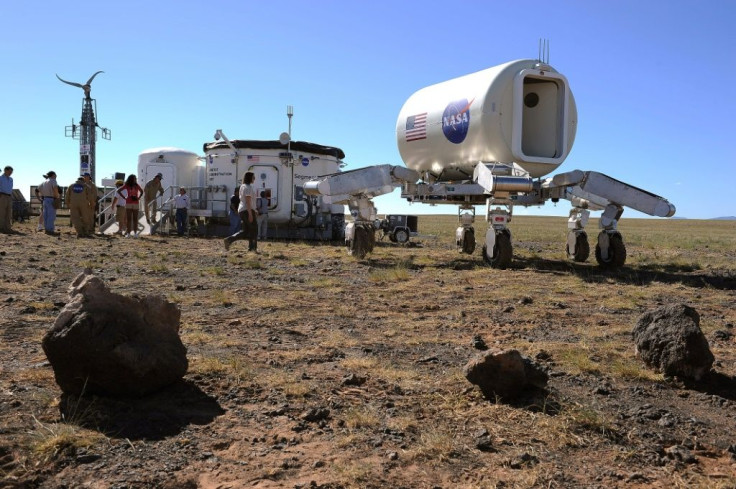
x=179, y=167
x=522, y=111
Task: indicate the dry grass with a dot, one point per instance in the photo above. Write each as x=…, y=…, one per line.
x=278, y=332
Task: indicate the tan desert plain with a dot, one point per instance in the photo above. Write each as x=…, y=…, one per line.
x=309, y=368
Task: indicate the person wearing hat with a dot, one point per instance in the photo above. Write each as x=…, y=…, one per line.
x=6, y=200
x=77, y=199
x=149, y=191
x=118, y=204
x=89, y=211
x=49, y=193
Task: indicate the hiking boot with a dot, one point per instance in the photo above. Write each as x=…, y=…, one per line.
x=227, y=243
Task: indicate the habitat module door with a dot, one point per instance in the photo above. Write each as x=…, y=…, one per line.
x=267, y=180
x=167, y=170
x=540, y=117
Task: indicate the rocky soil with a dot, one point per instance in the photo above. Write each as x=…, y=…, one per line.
x=310, y=369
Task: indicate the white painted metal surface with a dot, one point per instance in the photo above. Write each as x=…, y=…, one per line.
x=521, y=111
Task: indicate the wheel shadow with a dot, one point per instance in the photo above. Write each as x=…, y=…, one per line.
x=634, y=275
x=154, y=417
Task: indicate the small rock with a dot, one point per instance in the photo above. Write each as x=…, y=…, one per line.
x=523, y=460
x=504, y=373
x=722, y=335
x=316, y=414
x=428, y=360
x=88, y=458
x=393, y=456
x=669, y=340
x=526, y=300
x=478, y=343
x=543, y=356
x=680, y=454
x=353, y=379
x=483, y=441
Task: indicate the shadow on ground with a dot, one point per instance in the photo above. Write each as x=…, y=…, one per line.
x=715, y=384
x=634, y=275
x=153, y=417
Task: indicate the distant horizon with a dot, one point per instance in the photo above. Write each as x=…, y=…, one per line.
x=185, y=75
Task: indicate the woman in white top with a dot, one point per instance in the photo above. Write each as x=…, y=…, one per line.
x=247, y=213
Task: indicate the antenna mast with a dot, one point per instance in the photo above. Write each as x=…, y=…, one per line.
x=543, y=51
x=86, y=131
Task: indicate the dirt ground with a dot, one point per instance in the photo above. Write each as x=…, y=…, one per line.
x=311, y=369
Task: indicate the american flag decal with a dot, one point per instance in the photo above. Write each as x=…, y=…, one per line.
x=253, y=158
x=416, y=127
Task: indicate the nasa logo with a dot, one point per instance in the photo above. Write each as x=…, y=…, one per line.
x=305, y=161
x=456, y=120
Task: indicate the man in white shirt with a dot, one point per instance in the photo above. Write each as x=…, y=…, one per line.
x=181, y=202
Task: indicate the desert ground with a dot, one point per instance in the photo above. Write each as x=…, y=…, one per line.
x=309, y=368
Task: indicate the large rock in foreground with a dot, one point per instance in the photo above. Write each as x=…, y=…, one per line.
x=669, y=340
x=109, y=344
x=505, y=374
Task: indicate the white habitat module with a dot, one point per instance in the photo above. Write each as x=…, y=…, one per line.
x=280, y=169
x=521, y=111
x=179, y=167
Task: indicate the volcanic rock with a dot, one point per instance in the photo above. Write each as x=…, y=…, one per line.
x=504, y=373
x=108, y=344
x=669, y=340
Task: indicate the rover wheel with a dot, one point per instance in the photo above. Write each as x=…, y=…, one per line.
x=616, y=253
x=502, y=252
x=582, y=248
x=360, y=245
x=469, y=242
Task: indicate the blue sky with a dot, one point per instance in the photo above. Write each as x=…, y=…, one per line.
x=651, y=81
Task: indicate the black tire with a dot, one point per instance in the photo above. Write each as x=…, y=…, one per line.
x=360, y=244
x=371, y=233
x=469, y=242
x=401, y=236
x=502, y=252
x=582, y=248
x=392, y=238
x=616, y=253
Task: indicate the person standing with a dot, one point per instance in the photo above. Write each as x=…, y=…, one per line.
x=262, y=208
x=247, y=213
x=132, y=193
x=6, y=200
x=181, y=202
x=150, y=190
x=118, y=204
x=91, y=209
x=40, y=209
x=49, y=191
x=235, y=221
x=77, y=199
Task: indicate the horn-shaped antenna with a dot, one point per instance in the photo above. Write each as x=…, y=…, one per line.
x=69, y=83
x=93, y=77
x=87, y=87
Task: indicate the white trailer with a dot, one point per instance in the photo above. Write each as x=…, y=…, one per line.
x=489, y=138
x=280, y=167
